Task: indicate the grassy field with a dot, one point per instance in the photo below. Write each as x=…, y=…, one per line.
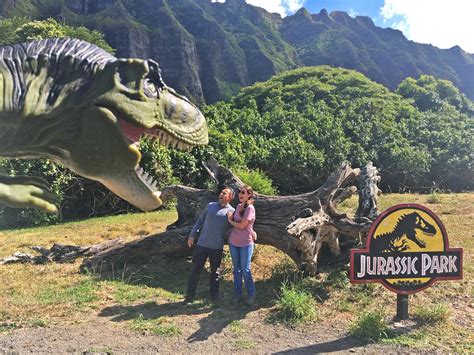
x=57, y=294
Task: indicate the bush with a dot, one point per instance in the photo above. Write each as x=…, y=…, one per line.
x=260, y=182
x=295, y=305
x=433, y=198
x=337, y=279
x=370, y=326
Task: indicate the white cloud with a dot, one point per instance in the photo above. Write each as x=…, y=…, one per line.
x=353, y=13
x=442, y=23
x=283, y=7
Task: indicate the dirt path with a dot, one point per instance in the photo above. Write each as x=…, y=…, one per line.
x=203, y=329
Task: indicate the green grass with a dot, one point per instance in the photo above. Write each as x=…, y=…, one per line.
x=295, y=305
x=337, y=279
x=5, y=327
x=57, y=294
x=38, y=323
x=161, y=326
x=125, y=293
x=236, y=327
x=356, y=297
x=370, y=326
x=243, y=344
x=78, y=295
x=433, y=198
x=433, y=314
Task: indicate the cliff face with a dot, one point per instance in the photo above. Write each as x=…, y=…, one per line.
x=208, y=51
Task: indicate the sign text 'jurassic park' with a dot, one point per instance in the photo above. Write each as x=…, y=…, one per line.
x=407, y=250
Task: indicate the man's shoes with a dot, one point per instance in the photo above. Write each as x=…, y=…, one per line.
x=250, y=300
x=188, y=300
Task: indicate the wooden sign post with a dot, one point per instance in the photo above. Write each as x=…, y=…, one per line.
x=407, y=250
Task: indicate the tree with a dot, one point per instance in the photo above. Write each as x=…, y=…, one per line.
x=21, y=29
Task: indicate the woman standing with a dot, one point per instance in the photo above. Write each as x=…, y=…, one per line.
x=241, y=244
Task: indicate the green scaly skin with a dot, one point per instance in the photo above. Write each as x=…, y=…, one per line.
x=92, y=125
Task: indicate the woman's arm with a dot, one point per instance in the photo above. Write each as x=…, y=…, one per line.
x=248, y=216
x=239, y=225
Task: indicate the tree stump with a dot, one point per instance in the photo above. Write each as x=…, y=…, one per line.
x=298, y=225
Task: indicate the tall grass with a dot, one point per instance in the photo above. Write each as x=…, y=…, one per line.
x=371, y=325
x=295, y=305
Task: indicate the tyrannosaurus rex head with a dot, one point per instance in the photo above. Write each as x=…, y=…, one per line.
x=70, y=101
x=133, y=102
x=414, y=222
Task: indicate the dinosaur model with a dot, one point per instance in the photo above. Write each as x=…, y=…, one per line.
x=407, y=226
x=73, y=103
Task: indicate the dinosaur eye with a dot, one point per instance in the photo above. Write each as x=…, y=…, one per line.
x=150, y=88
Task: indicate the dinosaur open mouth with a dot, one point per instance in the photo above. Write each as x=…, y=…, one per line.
x=133, y=134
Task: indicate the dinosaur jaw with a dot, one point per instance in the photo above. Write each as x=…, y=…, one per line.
x=428, y=231
x=420, y=243
x=133, y=134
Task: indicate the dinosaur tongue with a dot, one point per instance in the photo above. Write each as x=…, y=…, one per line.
x=132, y=132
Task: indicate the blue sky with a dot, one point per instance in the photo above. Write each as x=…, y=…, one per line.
x=442, y=23
x=369, y=8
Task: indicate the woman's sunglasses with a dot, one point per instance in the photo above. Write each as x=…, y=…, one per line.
x=242, y=192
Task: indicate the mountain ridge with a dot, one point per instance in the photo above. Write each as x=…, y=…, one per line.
x=208, y=51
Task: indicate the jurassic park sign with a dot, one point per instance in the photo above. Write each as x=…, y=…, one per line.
x=407, y=250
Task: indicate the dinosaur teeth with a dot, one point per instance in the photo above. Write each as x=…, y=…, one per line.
x=166, y=140
x=146, y=178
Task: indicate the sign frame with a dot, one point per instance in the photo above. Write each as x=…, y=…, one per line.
x=382, y=280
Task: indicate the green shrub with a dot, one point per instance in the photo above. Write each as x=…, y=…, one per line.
x=434, y=197
x=370, y=325
x=260, y=182
x=295, y=305
x=337, y=279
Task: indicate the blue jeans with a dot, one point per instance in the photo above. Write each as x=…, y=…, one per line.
x=241, y=258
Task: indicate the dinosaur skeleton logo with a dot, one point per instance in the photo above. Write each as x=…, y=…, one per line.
x=407, y=226
x=407, y=250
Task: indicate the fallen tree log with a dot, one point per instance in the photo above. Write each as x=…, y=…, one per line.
x=59, y=253
x=298, y=225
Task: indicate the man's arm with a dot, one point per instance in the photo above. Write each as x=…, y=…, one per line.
x=197, y=226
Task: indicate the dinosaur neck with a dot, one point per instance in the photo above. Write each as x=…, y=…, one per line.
x=32, y=138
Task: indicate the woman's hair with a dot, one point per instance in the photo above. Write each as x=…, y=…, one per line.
x=250, y=201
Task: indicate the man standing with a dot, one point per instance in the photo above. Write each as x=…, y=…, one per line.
x=213, y=225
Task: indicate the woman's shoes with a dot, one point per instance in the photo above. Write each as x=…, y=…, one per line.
x=250, y=300
x=237, y=300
